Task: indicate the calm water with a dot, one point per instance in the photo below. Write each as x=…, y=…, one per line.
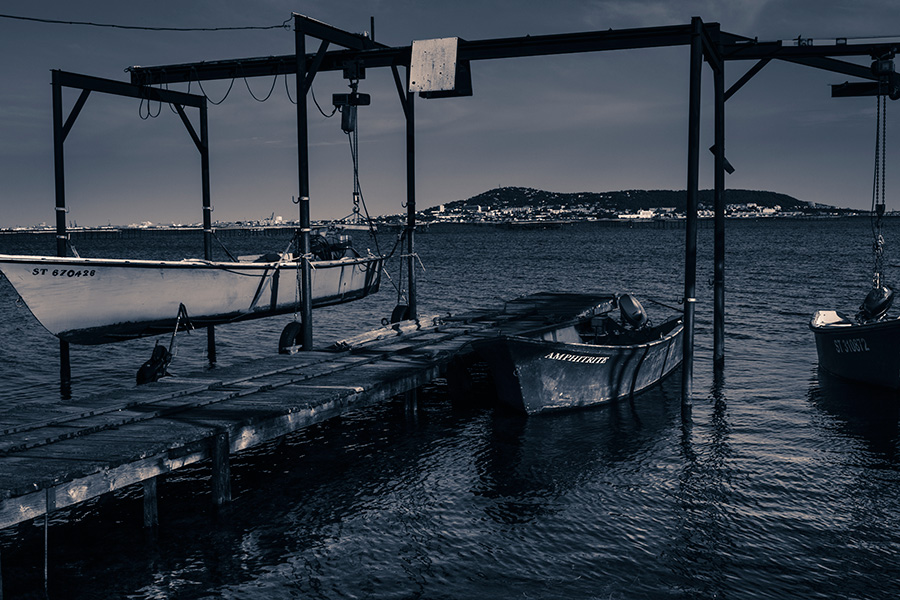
x=786, y=484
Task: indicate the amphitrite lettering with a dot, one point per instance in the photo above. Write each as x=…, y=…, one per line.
x=578, y=358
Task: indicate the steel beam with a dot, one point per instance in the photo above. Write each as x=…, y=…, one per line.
x=329, y=33
x=382, y=56
x=748, y=49
x=719, y=224
x=409, y=110
x=693, y=194
x=121, y=88
x=300, y=61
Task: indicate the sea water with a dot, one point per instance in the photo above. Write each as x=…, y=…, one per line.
x=784, y=483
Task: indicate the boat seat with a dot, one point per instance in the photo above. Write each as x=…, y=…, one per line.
x=566, y=335
x=831, y=318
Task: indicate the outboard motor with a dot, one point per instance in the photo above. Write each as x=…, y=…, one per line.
x=878, y=301
x=632, y=312
x=339, y=242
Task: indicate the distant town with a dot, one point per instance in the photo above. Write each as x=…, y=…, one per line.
x=527, y=205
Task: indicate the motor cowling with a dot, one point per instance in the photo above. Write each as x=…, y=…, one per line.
x=878, y=301
x=632, y=312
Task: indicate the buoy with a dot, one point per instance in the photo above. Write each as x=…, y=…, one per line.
x=291, y=336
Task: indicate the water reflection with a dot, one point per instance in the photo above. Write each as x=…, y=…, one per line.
x=702, y=550
x=528, y=464
x=859, y=411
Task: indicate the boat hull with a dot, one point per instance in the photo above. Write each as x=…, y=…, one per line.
x=867, y=353
x=96, y=301
x=540, y=375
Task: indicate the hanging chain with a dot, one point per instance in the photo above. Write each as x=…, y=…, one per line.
x=878, y=189
x=356, y=189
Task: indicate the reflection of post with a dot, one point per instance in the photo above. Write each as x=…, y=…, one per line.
x=690, y=243
x=303, y=172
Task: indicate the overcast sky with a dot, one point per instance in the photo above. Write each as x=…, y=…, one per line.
x=592, y=122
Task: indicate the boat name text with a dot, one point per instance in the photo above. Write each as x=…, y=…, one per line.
x=65, y=272
x=852, y=345
x=591, y=360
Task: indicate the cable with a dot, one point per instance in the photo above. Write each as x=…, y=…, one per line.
x=247, y=83
x=284, y=25
x=313, y=91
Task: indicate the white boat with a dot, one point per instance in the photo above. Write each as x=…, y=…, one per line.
x=591, y=360
x=100, y=300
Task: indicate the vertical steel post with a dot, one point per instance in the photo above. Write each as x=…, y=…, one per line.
x=151, y=504
x=719, y=206
x=693, y=193
x=411, y=199
x=221, y=469
x=65, y=368
x=303, y=173
x=207, y=216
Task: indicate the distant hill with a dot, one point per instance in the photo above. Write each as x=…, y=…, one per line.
x=622, y=201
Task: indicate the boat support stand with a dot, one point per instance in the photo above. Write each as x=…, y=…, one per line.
x=159, y=361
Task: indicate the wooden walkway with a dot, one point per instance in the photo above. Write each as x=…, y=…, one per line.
x=51, y=459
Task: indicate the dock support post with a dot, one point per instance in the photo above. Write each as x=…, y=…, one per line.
x=693, y=192
x=303, y=173
x=221, y=469
x=412, y=402
x=411, y=201
x=49, y=506
x=719, y=206
x=211, y=344
x=151, y=506
x=65, y=371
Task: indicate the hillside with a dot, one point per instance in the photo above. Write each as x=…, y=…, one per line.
x=622, y=201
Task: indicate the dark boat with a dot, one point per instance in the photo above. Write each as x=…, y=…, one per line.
x=864, y=347
x=859, y=349
x=591, y=360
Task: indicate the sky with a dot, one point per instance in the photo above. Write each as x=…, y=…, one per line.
x=594, y=122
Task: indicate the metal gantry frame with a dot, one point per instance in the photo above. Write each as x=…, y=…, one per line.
x=61, y=129
x=707, y=43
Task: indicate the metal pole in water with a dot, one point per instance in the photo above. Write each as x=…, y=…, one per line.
x=221, y=469
x=151, y=503
x=411, y=200
x=59, y=135
x=690, y=243
x=719, y=205
x=207, y=216
x=303, y=168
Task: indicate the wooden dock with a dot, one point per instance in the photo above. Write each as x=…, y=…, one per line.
x=55, y=458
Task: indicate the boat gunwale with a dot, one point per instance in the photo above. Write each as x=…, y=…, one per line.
x=187, y=263
x=679, y=327
x=837, y=328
